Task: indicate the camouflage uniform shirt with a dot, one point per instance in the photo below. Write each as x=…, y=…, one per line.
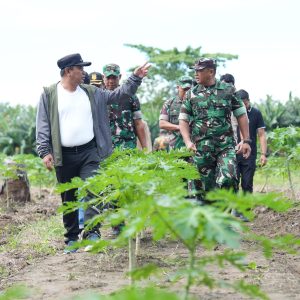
x=170, y=112
x=121, y=117
x=210, y=109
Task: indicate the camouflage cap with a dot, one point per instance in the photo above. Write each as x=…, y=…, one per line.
x=111, y=69
x=185, y=82
x=96, y=78
x=203, y=63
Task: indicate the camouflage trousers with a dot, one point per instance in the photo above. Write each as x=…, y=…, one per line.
x=123, y=144
x=216, y=163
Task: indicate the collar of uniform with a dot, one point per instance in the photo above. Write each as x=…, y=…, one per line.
x=178, y=99
x=201, y=88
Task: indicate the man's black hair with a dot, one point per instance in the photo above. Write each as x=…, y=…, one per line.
x=86, y=79
x=242, y=94
x=227, y=78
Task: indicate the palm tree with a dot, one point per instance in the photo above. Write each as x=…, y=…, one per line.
x=272, y=111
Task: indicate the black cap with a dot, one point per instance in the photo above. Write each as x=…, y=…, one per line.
x=72, y=60
x=203, y=63
x=96, y=78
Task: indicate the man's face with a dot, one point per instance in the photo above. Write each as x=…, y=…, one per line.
x=111, y=82
x=204, y=76
x=76, y=74
x=247, y=103
x=182, y=91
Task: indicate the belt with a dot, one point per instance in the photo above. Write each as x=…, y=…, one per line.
x=80, y=148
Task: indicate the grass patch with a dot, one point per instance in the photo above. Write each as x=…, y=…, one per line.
x=36, y=238
x=15, y=292
x=276, y=181
x=274, y=177
x=3, y=272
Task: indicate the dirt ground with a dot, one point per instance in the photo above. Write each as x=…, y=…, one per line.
x=60, y=276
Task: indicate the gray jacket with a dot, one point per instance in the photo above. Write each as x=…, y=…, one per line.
x=47, y=120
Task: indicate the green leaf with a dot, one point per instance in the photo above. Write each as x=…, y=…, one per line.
x=148, y=293
x=143, y=272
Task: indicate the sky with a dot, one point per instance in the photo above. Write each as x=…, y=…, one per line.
x=36, y=33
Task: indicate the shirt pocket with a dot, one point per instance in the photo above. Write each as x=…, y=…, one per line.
x=201, y=110
x=222, y=108
x=174, y=114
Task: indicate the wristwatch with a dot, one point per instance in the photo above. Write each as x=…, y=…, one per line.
x=247, y=141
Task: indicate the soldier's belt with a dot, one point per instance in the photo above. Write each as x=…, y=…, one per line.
x=212, y=137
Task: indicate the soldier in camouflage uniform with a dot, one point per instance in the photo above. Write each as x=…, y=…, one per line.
x=210, y=133
x=168, y=119
x=125, y=117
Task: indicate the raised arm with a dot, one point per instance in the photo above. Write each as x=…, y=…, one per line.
x=130, y=86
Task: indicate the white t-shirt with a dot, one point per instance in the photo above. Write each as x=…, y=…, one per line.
x=75, y=117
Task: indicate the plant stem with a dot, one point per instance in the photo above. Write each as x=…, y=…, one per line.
x=137, y=244
x=265, y=184
x=132, y=259
x=131, y=249
x=290, y=179
x=191, y=269
x=7, y=195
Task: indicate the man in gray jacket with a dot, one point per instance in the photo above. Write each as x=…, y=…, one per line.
x=72, y=130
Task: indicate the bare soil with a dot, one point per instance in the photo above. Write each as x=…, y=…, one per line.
x=62, y=276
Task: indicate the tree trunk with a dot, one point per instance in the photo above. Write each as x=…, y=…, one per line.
x=16, y=189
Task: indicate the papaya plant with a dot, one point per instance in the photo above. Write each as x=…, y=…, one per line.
x=285, y=148
x=151, y=192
